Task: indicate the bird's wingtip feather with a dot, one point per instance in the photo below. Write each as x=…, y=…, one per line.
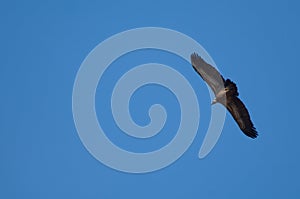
x=252, y=133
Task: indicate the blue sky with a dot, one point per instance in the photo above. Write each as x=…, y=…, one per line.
x=255, y=43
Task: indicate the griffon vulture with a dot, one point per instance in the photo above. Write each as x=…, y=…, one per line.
x=226, y=93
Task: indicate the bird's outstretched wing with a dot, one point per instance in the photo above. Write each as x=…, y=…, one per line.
x=208, y=73
x=241, y=115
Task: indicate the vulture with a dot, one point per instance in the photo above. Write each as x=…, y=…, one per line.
x=226, y=93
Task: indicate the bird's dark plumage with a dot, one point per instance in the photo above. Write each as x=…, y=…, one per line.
x=226, y=93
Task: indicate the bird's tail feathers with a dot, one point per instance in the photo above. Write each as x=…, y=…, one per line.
x=231, y=86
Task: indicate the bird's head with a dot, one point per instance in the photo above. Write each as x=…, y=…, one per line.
x=214, y=101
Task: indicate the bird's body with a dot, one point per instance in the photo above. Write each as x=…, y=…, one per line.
x=226, y=93
x=220, y=97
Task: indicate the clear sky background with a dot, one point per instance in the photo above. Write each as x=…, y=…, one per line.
x=43, y=43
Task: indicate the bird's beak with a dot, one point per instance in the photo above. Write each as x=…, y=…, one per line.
x=214, y=102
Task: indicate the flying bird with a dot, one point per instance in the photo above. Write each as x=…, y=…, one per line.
x=226, y=93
